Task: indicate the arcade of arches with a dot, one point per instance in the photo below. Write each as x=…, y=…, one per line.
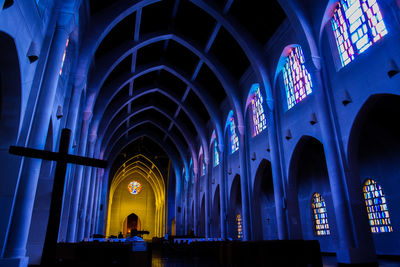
x=242, y=120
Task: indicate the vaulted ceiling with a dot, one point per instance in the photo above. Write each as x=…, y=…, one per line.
x=163, y=68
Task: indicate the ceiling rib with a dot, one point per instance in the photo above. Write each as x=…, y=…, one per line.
x=206, y=50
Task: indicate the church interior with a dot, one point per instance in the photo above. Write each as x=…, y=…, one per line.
x=261, y=131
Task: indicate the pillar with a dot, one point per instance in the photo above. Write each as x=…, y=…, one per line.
x=71, y=123
x=277, y=177
x=207, y=192
x=76, y=189
x=15, y=251
x=95, y=204
x=244, y=184
x=222, y=190
x=196, y=206
x=92, y=191
x=86, y=182
x=349, y=251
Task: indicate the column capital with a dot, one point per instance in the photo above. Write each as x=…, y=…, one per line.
x=221, y=148
x=92, y=138
x=241, y=129
x=86, y=115
x=66, y=21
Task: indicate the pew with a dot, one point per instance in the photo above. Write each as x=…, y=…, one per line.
x=284, y=253
x=101, y=254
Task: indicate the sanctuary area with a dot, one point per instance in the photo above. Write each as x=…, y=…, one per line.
x=199, y=132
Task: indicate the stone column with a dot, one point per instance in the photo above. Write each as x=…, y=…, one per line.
x=246, y=213
x=15, y=251
x=92, y=192
x=76, y=189
x=196, y=206
x=71, y=124
x=277, y=177
x=97, y=203
x=94, y=204
x=207, y=193
x=222, y=189
x=348, y=252
x=87, y=179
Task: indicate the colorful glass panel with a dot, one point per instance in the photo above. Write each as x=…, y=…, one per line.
x=216, y=154
x=357, y=24
x=64, y=55
x=320, y=215
x=203, y=169
x=378, y=212
x=297, y=80
x=239, y=224
x=259, y=121
x=234, y=137
x=134, y=187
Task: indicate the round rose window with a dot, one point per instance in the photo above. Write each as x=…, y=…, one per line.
x=134, y=187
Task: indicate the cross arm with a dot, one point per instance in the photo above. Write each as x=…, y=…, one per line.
x=56, y=156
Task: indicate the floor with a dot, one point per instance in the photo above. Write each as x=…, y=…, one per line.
x=328, y=261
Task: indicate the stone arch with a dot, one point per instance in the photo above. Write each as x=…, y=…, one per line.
x=264, y=223
x=41, y=208
x=10, y=120
x=308, y=174
x=373, y=153
x=202, y=219
x=235, y=206
x=215, y=214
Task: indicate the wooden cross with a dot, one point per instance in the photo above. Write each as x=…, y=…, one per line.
x=62, y=158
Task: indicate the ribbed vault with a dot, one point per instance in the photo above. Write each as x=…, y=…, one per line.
x=164, y=68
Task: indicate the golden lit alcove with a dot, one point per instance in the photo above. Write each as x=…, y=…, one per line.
x=137, y=199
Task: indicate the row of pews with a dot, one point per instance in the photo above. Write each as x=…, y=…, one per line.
x=274, y=253
x=293, y=253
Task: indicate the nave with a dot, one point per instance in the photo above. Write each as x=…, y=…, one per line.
x=235, y=120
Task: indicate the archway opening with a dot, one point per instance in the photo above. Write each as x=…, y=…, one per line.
x=202, y=226
x=374, y=154
x=264, y=221
x=235, y=224
x=10, y=114
x=132, y=222
x=215, y=216
x=309, y=175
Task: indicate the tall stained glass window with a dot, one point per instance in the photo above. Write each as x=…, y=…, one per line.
x=378, y=212
x=239, y=224
x=297, y=80
x=234, y=137
x=203, y=172
x=357, y=24
x=216, y=154
x=64, y=55
x=320, y=215
x=259, y=121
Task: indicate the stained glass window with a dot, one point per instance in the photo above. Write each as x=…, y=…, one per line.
x=357, y=24
x=320, y=215
x=378, y=212
x=259, y=121
x=297, y=80
x=203, y=172
x=234, y=137
x=216, y=154
x=134, y=187
x=239, y=224
x=63, y=58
